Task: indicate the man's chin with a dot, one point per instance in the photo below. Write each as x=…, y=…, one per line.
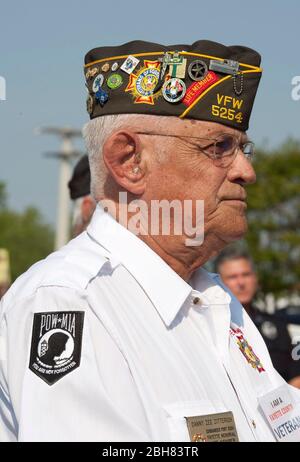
x=234, y=219
x=236, y=229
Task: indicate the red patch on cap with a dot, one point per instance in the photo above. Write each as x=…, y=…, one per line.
x=197, y=88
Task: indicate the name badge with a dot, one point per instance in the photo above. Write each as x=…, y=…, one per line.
x=212, y=428
x=282, y=414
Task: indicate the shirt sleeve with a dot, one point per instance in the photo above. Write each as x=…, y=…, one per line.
x=51, y=386
x=8, y=425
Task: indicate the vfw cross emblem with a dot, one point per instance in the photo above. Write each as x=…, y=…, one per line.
x=246, y=349
x=56, y=344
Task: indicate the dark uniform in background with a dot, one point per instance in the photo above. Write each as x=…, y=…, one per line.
x=274, y=329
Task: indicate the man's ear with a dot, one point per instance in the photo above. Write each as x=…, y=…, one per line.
x=122, y=157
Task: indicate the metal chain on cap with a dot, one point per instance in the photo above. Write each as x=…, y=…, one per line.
x=240, y=91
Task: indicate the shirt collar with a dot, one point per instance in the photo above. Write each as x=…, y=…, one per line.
x=211, y=287
x=165, y=288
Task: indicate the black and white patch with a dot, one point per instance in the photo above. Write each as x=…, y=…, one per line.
x=56, y=344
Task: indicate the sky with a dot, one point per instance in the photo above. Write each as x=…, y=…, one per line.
x=42, y=48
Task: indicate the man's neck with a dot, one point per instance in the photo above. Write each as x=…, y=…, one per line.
x=184, y=261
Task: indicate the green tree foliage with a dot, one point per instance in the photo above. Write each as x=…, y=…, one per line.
x=273, y=238
x=25, y=235
x=2, y=195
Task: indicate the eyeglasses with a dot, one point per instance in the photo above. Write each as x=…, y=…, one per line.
x=222, y=150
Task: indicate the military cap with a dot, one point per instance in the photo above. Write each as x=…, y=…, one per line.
x=79, y=185
x=204, y=81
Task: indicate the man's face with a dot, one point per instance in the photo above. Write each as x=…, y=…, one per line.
x=240, y=278
x=189, y=174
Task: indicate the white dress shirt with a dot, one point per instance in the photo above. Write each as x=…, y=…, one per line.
x=155, y=349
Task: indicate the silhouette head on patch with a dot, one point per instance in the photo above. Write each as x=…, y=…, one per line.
x=56, y=346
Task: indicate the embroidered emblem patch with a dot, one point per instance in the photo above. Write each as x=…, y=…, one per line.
x=142, y=85
x=56, y=344
x=247, y=350
x=197, y=88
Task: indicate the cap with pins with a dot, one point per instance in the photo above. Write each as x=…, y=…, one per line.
x=203, y=81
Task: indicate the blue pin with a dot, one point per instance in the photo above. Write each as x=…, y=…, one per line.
x=101, y=96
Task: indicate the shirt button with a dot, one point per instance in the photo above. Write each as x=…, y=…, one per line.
x=197, y=301
x=253, y=424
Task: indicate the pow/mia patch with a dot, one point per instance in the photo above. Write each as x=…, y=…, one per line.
x=56, y=344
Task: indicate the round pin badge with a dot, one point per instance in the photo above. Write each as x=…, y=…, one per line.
x=174, y=90
x=105, y=67
x=146, y=81
x=114, y=67
x=114, y=81
x=197, y=70
x=98, y=82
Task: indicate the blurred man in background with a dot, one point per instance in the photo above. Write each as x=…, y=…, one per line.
x=84, y=204
x=238, y=273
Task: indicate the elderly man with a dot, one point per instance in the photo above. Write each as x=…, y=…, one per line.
x=157, y=349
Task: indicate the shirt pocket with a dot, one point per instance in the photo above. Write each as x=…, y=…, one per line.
x=177, y=412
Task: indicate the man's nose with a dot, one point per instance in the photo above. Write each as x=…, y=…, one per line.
x=241, y=282
x=241, y=170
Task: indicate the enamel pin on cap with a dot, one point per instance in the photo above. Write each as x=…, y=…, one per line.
x=174, y=90
x=130, y=64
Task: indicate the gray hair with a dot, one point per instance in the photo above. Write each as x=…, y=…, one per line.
x=95, y=133
x=230, y=254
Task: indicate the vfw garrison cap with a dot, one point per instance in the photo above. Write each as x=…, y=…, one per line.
x=203, y=81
